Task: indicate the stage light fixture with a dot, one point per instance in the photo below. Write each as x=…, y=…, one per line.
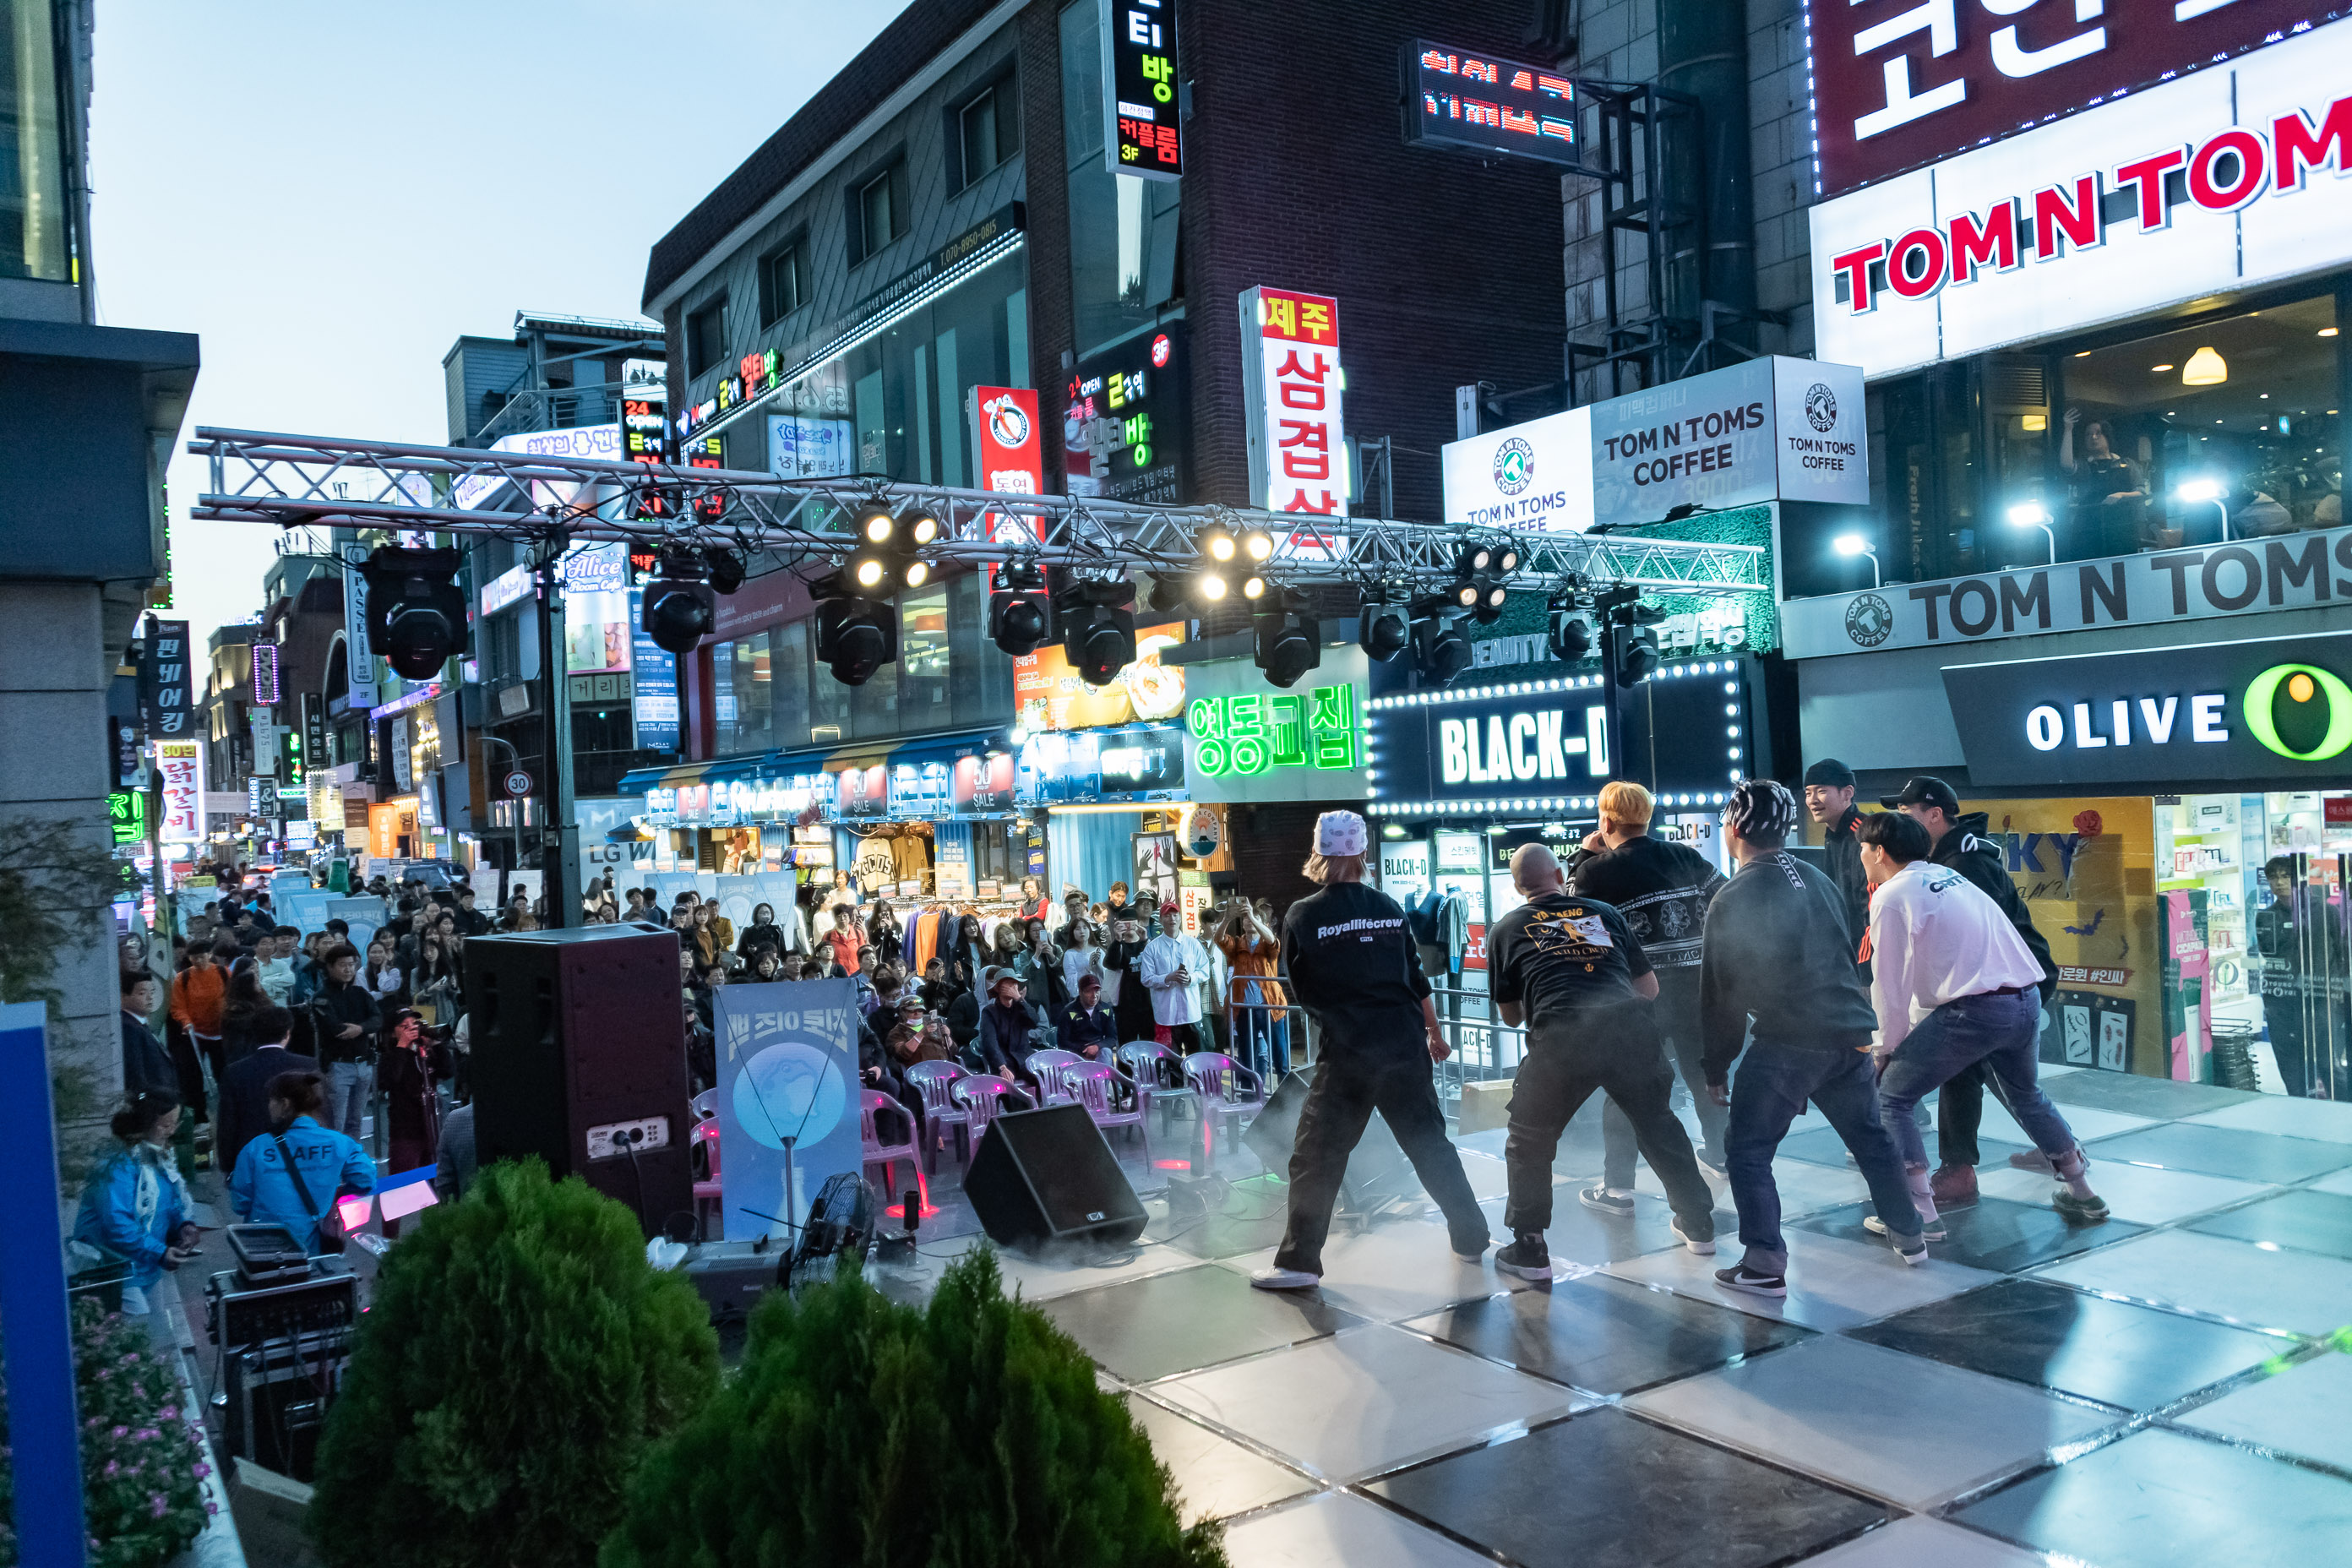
x=1570, y=636
x=917, y=525
x=678, y=608
x=415, y=611
x=1472, y=558
x=1020, y=611
x=1253, y=586
x=855, y=636
x=875, y=524
x=1286, y=641
x=1211, y=585
x=1097, y=625
x=1440, y=651
x=869, y=570
x=1257, y=544
x=1383, y=629
x=726, y=570
x=1217, y=544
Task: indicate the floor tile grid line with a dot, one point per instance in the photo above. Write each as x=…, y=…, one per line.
x=1740, y=1358
x=1976, y=1487
x=2289, y=1336
x=1239, y=1266
x=1322, y=1482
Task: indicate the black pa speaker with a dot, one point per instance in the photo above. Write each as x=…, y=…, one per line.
x=1378, y=1172
x=1046, y=1175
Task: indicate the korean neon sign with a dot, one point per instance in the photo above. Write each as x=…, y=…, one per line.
x=1141, y=136
x=1256, y=731
x=1293, y=387
x=1487, y=105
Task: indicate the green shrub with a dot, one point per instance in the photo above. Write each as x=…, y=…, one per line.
x=519, y=1356
x=862, y=1434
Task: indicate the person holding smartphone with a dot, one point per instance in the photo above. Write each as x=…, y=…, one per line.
x=135, y=1209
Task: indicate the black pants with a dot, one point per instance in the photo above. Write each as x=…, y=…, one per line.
x=1557, y=1076
x=1351, y=1082
x=1676, y=1012
x=1959, y=1112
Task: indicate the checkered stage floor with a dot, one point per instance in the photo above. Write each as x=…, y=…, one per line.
x=2167, y=1388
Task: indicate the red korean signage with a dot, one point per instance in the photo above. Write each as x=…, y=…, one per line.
x=1294, y=386
x=1011, y=459
x=180, y=769
x=1899, y=84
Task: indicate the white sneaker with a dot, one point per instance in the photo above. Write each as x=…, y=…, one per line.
x=1285, y=1279
x=1934, y=1230
x=1704, y=1249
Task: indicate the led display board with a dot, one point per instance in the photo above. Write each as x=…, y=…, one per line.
x=1141, y=135
x=1457, y=99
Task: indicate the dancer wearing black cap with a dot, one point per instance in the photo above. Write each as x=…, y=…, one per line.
x=1779, y=956
x=1960, y=844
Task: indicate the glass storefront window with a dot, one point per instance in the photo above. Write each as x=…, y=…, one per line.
x=743, y=711
x=923, y=661
x=828, y=698
x=35, y=215
x=874, y=710
x=788, y=683
x=979, y=673
x=1122, y=231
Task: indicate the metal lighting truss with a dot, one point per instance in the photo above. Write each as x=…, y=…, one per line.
x=304, y=481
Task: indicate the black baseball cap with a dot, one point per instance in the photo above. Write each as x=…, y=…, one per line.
x=1924, y=791
x=1829, y=774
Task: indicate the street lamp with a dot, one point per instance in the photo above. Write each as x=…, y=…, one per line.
x=2033, y=514
x=2196, y=490
x=1856, y=544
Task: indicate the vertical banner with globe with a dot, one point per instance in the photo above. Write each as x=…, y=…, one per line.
x=787, y=1071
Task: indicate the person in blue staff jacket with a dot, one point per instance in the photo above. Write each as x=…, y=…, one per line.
x=265, y=1191
x=135, y=1207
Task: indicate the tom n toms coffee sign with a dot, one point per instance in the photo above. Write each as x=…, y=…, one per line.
x=1774, y=428
x=2239, y=579
x=2226, y=177
x=2275, y=710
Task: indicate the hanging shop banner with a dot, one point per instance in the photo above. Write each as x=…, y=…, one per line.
x=167, y=681
x=1127, y=422
x=805, y=447
x=983, y=785
x=1292, y=389
x=653, y=678
x=180, y=769
x=1141, y=134
x=1455, y=99
x=1248, y=740
x=265, y=674
x=2250, y=578
x=1047, y=694
x=1896, y=87
x=599, y=442
x=787, y=1068
x=2225, y=178
x=1012, y=455
x=1543, y=745
x=359, y=658
x=2274, y=712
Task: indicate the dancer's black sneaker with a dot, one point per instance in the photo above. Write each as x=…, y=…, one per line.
x=1526, y=1257
x=1746, y=1279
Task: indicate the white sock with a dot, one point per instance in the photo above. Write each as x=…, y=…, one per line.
x=1923, y=1196
x=1619, y=1192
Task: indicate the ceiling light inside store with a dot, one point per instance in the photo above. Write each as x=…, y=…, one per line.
x=2205, y=368
x=2327, y=331
x=2085, y=354
x=2158, y=369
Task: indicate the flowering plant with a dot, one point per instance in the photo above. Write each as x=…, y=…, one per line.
x=142, y=1468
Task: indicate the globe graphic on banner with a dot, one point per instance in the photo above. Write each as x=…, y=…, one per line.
x=790, y=1090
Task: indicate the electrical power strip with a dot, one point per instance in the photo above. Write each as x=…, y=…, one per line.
x=616, y=1140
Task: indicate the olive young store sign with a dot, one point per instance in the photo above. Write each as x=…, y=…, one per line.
x=1544, y=745
x=2214, y=181
x=2239, y=579
x=2273, y=711
x=1771, y=429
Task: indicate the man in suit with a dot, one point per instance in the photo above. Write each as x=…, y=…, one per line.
x=146, y=1065
x=244, y=1112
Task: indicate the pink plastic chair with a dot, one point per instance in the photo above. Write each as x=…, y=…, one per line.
x=983, y=1095
x=871, y=1103
x=709, y=1193
x=1228, y=1091
x=1100, y=1087
x=1047, y=1066
x=936, y=1082
x=1149, y=1065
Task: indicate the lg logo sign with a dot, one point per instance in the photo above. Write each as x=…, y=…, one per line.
x=2300, y=711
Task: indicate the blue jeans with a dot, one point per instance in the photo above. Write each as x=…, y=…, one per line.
x=349, y=1087
x=2003, y=1033
x=1769, y=1092
x=1264, y=1042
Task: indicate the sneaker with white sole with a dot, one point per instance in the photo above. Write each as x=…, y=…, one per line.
x=1473, y=1259
x=1703, y=1245
x=1526, y=1256
x=2088, y=1209
x=1603, y=1201
x=1745, y=1278
x=1914, y=1255
x=1285, y=1279
x=1934, y=1230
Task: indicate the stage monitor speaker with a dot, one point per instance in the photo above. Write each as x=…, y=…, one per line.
x=579, y=1047
x=1377, y=1170
x=1046, y=1175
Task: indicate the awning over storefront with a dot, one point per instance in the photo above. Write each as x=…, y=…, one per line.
x=935, y=778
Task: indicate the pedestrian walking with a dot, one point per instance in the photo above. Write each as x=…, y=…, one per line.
x=1959, y=843
x=1352, y=967
x=1573, y=971
x=1661, y=890
x=1955, y=986
x=1779, y=961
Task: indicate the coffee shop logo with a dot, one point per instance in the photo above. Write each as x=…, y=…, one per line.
x=2301, y=711
x=1514, y=466
x=1820, y=407
x=1869, y=620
